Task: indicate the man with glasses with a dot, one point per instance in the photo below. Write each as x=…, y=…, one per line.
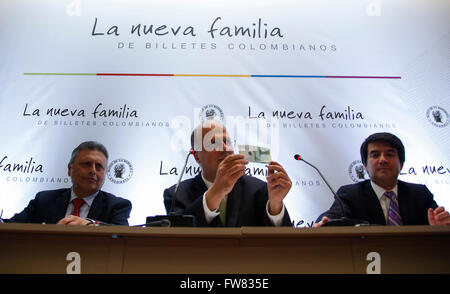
x=222, y=195
x=84, y=203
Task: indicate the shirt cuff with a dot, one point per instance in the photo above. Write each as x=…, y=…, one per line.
x=209, y=215
x=276, y=220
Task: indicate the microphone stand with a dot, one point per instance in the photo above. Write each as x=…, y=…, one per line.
x=173, y=219
x=340, y=222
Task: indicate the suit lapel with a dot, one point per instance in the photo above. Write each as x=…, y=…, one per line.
x=97, y=206
x=198, y=188
x=373, y=205
x=234, y=204
x=404, y=204
x=61, y=203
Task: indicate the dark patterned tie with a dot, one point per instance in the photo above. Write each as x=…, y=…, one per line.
x=223, y=210
x=77, y=203
x=394, y=218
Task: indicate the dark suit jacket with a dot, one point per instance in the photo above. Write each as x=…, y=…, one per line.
x=246, y=205
x=361, y=202
x=51, y=206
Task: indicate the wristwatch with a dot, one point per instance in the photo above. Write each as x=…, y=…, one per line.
x=92, y=222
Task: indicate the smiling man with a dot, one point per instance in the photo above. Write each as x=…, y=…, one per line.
x=384, y=199
x=222, y=195
x=84, y=203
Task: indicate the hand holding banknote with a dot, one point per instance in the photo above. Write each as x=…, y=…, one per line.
x=230, y=169
x=278, y=181
x=278, y=185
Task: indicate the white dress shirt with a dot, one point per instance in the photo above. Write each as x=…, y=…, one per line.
x=84, y=209
x=384, y=201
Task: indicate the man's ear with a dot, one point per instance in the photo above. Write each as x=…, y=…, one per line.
x=69, y=170
x=365, y=167
x=196, y=156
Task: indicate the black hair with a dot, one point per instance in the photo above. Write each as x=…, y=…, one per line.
x=388, y=138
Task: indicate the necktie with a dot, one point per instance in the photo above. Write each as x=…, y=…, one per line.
x=394, y=218
x=77, y=203
x=223, y=210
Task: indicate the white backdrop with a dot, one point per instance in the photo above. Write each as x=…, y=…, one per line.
x=317, y=76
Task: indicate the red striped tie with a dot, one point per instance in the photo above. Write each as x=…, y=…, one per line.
x=77, y=203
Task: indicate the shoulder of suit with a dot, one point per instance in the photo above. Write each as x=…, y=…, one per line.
x=52, y=193
x=184, y=183
x=356, y=186
x=111, y=196
x=411, y=185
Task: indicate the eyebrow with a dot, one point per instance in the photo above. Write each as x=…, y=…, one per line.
x=90, y=162
x=378, y=151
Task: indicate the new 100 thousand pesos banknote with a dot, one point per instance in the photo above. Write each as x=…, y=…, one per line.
x=255, y=153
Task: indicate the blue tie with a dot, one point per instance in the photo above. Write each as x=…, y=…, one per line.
x=394, y=218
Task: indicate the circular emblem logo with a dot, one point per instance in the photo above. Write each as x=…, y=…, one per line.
x=438, y=116
x=357, y=172
x=119, y=171
x=212, y=112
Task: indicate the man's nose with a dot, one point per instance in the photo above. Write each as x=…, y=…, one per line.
x=382, y=158
x=92, y=169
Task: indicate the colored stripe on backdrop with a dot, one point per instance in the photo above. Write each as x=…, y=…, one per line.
x=213, y=75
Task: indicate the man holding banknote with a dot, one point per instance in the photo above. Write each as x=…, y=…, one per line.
x=222, y=195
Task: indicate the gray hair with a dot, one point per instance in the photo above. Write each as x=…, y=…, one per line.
x=88, y=145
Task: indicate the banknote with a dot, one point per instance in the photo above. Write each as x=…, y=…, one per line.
x=255, y=153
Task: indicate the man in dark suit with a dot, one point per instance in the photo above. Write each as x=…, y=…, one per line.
x=222, y=195
x=84, y=203
x=384, y=199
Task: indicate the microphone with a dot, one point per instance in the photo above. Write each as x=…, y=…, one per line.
x=343, y=221
x=173, y=219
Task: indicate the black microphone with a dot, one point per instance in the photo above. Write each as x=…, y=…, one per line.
x=173, y=219
x=343, y=221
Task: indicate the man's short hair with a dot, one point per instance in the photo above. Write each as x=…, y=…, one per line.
x=388, y=138
x=197, y=133
x=195, y=145
x=88, y=145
